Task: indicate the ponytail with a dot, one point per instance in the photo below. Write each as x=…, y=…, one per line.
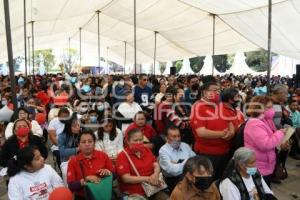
x=24, y=157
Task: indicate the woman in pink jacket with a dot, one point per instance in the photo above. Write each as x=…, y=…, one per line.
x=260, y=135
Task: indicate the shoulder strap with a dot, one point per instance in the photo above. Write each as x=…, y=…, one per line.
x=81, y=168
x=131, y=163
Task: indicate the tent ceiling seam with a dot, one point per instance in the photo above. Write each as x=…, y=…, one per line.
x=60, y=12
x=283, y=35
x=239, y=33
x=246, y=10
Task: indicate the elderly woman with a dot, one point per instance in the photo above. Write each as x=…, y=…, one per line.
x=197, y=183
x=242, y=180
x=261, y=135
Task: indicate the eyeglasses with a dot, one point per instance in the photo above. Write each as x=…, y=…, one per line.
x=145, y=79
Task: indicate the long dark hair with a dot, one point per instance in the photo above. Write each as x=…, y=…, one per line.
x=24, y=157
x=15, y=116
x=112, y=134
x=68, y=126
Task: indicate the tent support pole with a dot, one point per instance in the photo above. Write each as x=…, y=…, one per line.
x=28, y=38
x=134, y=4
x=98, y=29
x=80, y=46
x=154, y=57
x=269, y=45
x=214, y=37
x=25, y=38
x=10, y=54
x=107, y=71
x=32, y=46
x=125, y=43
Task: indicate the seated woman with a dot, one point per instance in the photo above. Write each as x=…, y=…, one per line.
x=21, y=138
x=145, y=163
x=22, y=113
x=127, y=110
x=109, y=138
x=140, y=122
x=30, y=178
x=89, y=165
x=242, y=180
x=68, y=142
x=197, y=183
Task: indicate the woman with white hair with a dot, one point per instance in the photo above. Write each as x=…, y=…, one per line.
x=242, y=180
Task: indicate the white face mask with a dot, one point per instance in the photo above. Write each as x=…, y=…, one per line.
x=4, y=102
x=84, y=109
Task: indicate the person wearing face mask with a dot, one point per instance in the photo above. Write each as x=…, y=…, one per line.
x=197, y=183
x=21, y=138
x=212, y=131
x=144, y=162
x=173, y=156
x=230, y=107
x=190, y=93
x=56, y=127
x=242, y=180
x=261, y=135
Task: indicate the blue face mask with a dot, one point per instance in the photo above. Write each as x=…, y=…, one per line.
x=181, y=99
x=93, y=119
x=175, y=144
x=251, y=170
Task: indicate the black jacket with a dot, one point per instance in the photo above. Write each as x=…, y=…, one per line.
x=11, y=148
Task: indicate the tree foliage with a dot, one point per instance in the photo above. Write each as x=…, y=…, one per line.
x=44, y=57
x=68, y=59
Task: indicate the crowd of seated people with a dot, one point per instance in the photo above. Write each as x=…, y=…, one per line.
x=153, y=137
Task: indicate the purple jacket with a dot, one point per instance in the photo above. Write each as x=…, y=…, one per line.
x=261, y=138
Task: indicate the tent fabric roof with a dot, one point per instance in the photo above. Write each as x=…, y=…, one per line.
x=184, y=26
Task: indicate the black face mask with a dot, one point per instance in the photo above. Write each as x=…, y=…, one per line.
x=203, y=183
x=63, y=121
x=195, y=87
x=235, y=104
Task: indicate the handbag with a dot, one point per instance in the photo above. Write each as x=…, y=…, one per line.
x=148, y=188
x=97, y=191
x=280, y=172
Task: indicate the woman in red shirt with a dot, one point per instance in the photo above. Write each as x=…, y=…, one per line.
x=144, y=162
x=95, y=165
x=140, y=122
x=212, y=131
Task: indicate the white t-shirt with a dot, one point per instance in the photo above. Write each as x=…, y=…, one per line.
x=230, y=192
x=56, y=125
x=129, y=110
x=111, y=148
x=34, y=186
x=35, y=128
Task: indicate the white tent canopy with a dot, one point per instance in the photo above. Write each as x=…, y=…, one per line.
x=184, y=26
x=283, y=66
x=240, y=67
